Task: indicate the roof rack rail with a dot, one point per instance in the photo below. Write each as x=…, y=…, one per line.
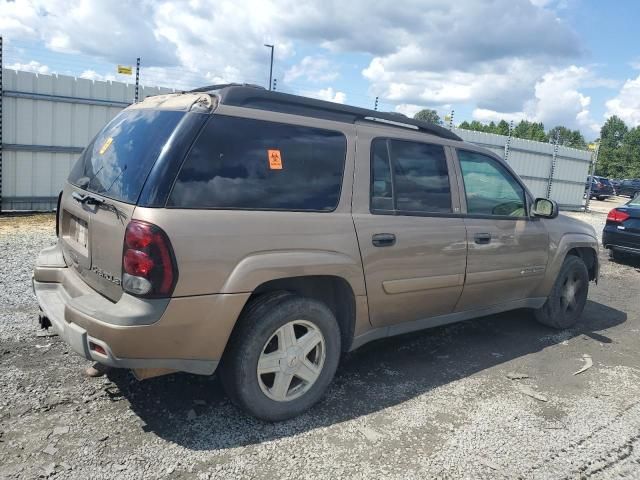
x=208, y=88
x=254, y=96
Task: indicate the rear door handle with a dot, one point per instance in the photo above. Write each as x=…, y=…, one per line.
x=482, y=238
x=383, y=240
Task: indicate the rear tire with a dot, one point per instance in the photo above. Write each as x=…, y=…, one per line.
x=270, y=339
x=568, y=295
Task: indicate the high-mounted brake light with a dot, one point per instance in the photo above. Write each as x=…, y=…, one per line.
x=617, y=216
x=148, y=263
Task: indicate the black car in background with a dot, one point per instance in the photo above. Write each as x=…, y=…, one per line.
x=629, y=187
x=621, y=233
x=601, y=188
x=616, y=184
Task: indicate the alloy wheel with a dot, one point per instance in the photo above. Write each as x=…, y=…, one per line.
x=291, y=360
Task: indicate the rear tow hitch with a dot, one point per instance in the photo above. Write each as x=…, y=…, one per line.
x=44, y=322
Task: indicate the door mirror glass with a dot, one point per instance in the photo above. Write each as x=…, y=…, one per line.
x=543, y=207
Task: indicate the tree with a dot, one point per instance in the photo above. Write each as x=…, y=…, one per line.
x=566, y=137
x=428, y=115
x=502, y=128
x=530, y=131
x=630, y=153
x=612, y=158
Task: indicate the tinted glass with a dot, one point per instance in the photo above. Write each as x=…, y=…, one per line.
x=421, y=180
x=381, y=189
x=252, y=164
x=490, y=188
x=118, y=160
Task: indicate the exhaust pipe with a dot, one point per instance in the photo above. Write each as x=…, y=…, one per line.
x=44, y=322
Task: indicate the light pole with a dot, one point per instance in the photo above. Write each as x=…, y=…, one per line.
x=271, y=65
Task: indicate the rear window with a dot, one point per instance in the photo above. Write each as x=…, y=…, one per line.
x=239, y=163
x=118, y=160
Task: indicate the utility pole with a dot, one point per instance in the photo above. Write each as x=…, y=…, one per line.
x=137, y=79
x=271, y=65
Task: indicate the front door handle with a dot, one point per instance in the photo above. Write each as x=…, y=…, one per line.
x=383, y=240
x=482, y=238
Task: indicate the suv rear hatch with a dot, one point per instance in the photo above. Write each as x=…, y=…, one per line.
x=102, y=190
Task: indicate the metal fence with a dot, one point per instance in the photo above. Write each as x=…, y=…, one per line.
x=48, y=119
x=549, y=170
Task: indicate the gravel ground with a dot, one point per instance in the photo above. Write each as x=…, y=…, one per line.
x=495, y=397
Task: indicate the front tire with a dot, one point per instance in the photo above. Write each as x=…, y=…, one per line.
x=568, y=295
x=282, y=356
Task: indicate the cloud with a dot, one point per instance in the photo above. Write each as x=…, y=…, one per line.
x=32, y=66
x=93, y=75
x=313, y=69
x=556, y=101
x=115, y=31
x=635, y=63
x=502, y=56
x=626, y=104
x=408, y=109
x=329, y=94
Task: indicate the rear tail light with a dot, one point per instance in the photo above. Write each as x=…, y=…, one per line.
x=617, y=216
x=148, y=263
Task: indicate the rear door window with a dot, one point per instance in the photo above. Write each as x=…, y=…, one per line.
x=118, y=160
x=409, y=177
x=240, y=163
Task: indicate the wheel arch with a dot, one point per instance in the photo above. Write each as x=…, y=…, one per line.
x=590, y=258
x=334, y=291
x=577, y=244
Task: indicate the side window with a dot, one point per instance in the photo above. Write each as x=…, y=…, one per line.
x=381, y=187
x=490, y=188
x=409, y=177
x=241, y=163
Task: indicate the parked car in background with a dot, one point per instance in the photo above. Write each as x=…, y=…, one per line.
x=615, y=183
x=621, y=233
x=263, y=234
x=601, y=188
x=629, y=187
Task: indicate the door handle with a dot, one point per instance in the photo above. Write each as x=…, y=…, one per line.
x=383, y=240
x=482, y=238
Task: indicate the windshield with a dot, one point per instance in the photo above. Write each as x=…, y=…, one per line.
x=116, y=163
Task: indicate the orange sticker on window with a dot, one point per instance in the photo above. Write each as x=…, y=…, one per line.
x=105, y=146
x=275, y=160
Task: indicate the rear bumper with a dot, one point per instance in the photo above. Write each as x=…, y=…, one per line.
x=620, y=240
x=185, y=334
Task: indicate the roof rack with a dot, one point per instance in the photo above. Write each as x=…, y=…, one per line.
x=254, y=96
x=209, y=88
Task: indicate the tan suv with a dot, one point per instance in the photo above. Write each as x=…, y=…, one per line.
x=264, y=234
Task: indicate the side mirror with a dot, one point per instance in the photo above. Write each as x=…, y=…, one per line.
x=543, y=207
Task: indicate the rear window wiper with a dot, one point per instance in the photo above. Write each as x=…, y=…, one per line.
x=87, y=199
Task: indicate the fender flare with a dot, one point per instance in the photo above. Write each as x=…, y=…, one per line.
x=558, y=252
x=258, y=268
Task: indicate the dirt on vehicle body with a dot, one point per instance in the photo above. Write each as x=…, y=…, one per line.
x=269, y=233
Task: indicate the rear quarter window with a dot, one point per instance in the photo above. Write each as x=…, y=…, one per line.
x=240, y=163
